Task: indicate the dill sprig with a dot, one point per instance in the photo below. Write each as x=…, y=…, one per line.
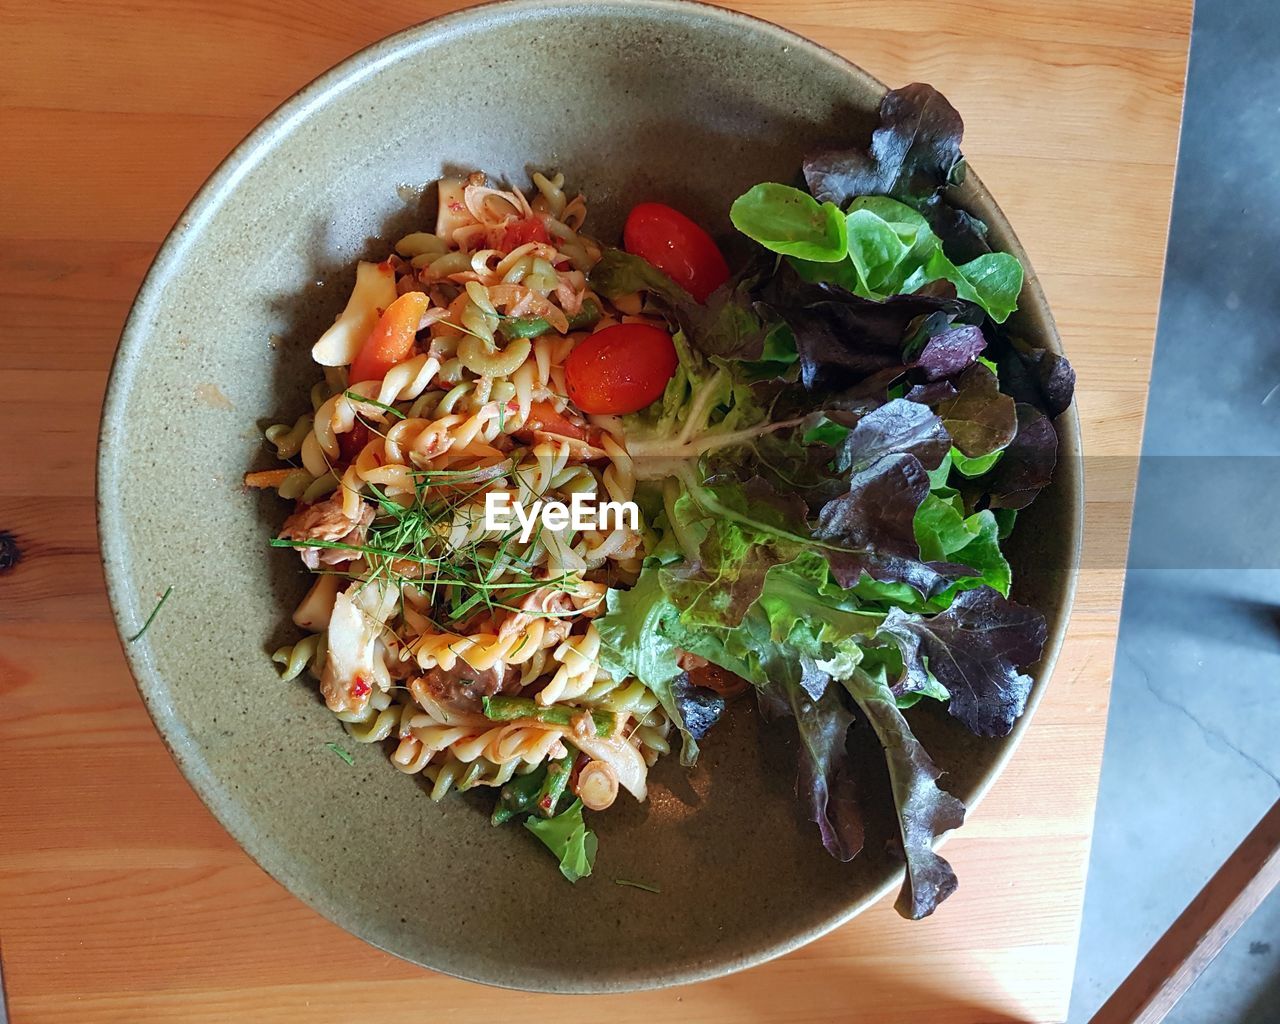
x=487, y=573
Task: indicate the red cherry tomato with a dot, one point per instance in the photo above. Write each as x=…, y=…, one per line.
x=521, y=232
x=676, y=246
x=620, y=369
x=713, y=677
x=352, y=442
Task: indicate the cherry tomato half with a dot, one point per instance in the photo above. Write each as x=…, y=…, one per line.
x=620, y=369
x=352, y=443
x=676, y=246
x=713, y=677
x=521, y=232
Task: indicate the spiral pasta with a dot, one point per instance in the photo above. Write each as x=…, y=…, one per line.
x=429, y=617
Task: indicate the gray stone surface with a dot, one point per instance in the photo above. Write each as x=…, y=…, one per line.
x=1192, y=760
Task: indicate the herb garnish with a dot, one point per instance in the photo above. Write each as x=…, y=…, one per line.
x=638, y=885
x=355, y=396
x=154, y=612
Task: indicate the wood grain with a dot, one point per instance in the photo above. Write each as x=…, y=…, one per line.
x=122, y=900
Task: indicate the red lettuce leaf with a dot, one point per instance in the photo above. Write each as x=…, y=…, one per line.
x=924, y=810
x=1036, y=376
x=980, y=419
x=913, y=155
x=871, y=528
x=1027, y=465
x=842, y=338
x=931, y=394
x=700, y=707
x=823, y=781
x=964, y=236
x=949, y=352
x=897, y=427
x=974, y=649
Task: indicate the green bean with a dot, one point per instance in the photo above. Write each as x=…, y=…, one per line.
x=536, y=326
x=510, y=709
x=553, y=786
x=518, y=795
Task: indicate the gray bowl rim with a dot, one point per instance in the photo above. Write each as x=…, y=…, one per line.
x=205, y=205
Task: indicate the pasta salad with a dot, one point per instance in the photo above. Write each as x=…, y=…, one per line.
x=801, y=468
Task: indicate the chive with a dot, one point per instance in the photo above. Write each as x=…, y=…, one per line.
x=341, y=753
x=355, y=396
x=154, y=612
x=637, y=885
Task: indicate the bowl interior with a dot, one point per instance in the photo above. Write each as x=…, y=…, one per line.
x=218, y=345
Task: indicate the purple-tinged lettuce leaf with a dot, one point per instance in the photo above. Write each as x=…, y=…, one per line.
x=975, y=649
x=925, y=811
x=730, y=324
x=964, y=236
x=823, y=780
x=871, y=528
x=898, y=427
x=700, y=707
x=949, y=352
x=980, y=419
x=1036, y=376
x=1026, y=466
x=913, y=155
x=931, y=394
x=842, y=338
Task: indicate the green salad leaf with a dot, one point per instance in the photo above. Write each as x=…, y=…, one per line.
x=791, y=222
x=881, y=247
x=641, y=635
x=946, y=534
x=895, y=252
x=567, y=836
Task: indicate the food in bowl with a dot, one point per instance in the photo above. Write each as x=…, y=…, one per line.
x=801, y=468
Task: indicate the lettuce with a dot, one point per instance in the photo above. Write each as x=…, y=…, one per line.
x=566, y=835
x=974, y=649
x=913, y=154
x=924, y=810
x=979, y=418
x=881, y=248
x=837, y=543
x=791, y=222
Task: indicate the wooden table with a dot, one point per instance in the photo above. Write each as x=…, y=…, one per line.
x=121, y=899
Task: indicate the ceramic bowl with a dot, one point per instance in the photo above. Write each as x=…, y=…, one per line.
x=632, y=99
